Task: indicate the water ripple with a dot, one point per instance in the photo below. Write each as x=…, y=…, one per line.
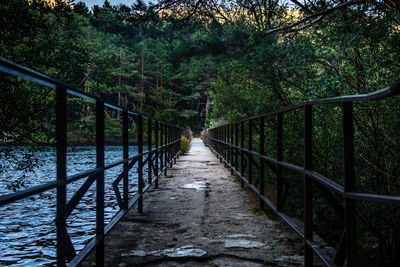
x=27, y=228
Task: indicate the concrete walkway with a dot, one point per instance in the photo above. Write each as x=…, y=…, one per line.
x=200, y=216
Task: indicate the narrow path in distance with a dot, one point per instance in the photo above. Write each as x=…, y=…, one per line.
x=200, y=216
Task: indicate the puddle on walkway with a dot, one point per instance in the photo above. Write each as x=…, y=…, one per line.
x=240, y=236
x=243, y=243
x=242, y=216
x=200, y=185
x=185, y=251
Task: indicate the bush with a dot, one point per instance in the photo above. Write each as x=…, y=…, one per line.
x=185, y=145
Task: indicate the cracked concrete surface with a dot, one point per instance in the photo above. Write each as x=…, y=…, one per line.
x=200, y=216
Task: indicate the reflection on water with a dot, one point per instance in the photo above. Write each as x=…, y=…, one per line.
x=27, y=229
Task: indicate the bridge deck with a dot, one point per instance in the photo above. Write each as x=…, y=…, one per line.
x=200, y=216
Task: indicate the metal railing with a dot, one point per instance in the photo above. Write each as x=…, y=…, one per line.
x=158, y=157
x=224, y=141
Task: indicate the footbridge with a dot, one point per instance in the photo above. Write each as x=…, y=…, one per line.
x=209, y=207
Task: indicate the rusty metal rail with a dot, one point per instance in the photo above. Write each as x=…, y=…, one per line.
x=224, y=140
x=158, y=158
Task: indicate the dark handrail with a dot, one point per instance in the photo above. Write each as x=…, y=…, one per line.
x=14, y=69
x=392, y=90
x=221, y=141
x=158, y=158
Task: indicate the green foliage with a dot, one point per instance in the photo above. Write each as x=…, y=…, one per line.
x=185, y=145
x=185, y=71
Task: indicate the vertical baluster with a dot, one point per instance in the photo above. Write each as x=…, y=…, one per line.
x=167, y=155
x=174, y=139
x=251, y=149
x=225, y=145
x=180, y=133
x=100, y=182
x=308, y=227
x=171, y=147
x=176, y=149
x=166, y=149
x=61, y=137
x=236, y=144
x=140, y=163
x=242, y=152
x=214, y=144
x=178, y=138
x=171, y=135
x=156, y=152
x=220, y=145
x=230, y=144
x=150, y=154
x=232, y=153
x=279, y=153
x=261, y=171
x=125, y=144
x=349, y=183
x=162, y=149
x=221, y=137
x=228, y=141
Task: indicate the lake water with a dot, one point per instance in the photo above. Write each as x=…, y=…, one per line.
x=27, y=228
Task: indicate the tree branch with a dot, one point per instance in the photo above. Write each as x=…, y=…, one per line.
x=319, y=16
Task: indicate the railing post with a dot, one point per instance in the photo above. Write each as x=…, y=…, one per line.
x=232, y=154
x=162, y=149
x=236, y=144
x=228, y=141
x=100, y=182
x=140, y=163
x=170, y=131
x=149, y=161
x=61, y=137
x=125, y=144
x=279, y=154
x=225, y=145
x=349, y=183
x=156, y=144
x=222, y=146
x=308, y=214
x=262, y=152
x=250, y=149
x=242, y=152
x=179, y=134
x=166, y=149
x=171, y=146
x=168, y=152
x=171, y=138
x=176, y=135
x=215, y=134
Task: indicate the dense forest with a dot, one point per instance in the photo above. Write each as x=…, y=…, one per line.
x=202, y=64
